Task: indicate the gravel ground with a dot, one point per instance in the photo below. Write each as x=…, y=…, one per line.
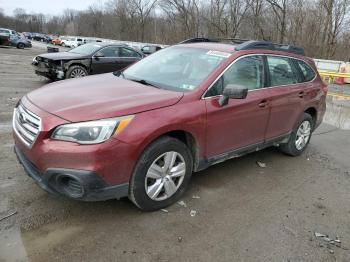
x=243, y=212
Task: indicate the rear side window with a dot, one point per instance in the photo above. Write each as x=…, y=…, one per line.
x=247, y=72
x=125, y=52
x=307, y=71
x=281, y=71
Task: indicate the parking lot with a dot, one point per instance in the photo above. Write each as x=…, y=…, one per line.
x=243, y=212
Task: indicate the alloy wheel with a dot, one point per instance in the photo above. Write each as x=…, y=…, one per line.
x=165, y=176
x=303, y=135
x=77, y=73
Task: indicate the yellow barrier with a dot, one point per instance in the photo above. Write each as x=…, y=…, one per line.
x=339, y=96
x=330, y=76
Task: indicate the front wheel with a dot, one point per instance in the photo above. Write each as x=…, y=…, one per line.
x=300, y=136
x=161, y=175
x=76, y=72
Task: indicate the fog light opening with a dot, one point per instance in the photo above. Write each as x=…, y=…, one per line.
x=70, y=186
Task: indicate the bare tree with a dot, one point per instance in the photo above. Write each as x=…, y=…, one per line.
x=237, y=11
x=317, y=25
x=279, y=8
x=142, y=9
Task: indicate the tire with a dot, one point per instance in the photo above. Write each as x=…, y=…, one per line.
x=20, y=46
x=296, y=145
x=76, y=71
x=63, y=44
x=162, y=180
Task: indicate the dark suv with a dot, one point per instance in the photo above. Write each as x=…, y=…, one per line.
x=142, y=132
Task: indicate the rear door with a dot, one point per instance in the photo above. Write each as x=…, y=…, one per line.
x=242, y=122
x=106, y=60
x=128, y=56
x=286, y=93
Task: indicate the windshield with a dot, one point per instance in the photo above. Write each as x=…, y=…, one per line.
x=86, y=49
x=176, y=68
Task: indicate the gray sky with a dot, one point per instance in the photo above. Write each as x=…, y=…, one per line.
x=52, y=7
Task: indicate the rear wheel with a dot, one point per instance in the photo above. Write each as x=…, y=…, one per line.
x=63, y=44
x=161, y=174
x=76, y=72
x=300, y=136
x=20, y=46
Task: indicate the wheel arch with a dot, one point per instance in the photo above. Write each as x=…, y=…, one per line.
x=313, y=112
x=82, y=62
x=185, y=137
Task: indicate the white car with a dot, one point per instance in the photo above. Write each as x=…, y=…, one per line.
x=72, y=41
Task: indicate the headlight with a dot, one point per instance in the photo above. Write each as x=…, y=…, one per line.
x=91, y=132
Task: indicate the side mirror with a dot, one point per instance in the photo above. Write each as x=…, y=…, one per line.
x=233, y=92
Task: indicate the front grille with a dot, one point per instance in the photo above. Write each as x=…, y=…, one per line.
x=26, y=125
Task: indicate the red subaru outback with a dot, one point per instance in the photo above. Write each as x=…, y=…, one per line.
x=142, y=132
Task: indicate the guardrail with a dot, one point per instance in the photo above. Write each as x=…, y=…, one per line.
x=331, y=76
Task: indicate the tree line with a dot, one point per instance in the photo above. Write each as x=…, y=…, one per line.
x=321, y=27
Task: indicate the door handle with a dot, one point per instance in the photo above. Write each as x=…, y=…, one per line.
x=301, y=94
x=263, y=103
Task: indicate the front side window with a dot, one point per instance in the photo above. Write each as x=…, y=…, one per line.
x=177, y=68
x=111, y=51
x=281, y=71
x=307, y=71
x=247, y=72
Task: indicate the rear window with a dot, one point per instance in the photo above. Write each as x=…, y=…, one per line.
x=308, y=72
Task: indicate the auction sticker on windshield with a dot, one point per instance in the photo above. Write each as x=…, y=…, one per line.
x=218, y=53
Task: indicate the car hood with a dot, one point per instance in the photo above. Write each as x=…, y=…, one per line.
x=100, y=96
x=63, y=56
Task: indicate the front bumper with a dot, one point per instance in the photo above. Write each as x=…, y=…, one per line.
x=76, y=184
x=47, y=71
x=103, y=170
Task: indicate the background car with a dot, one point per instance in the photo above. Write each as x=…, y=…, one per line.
x=56, y=41
x=39, y=37
x=88, y=59
x=17, y=40
x=27, y=35
x=150, y=49
x=72, y=41
x=20, y=41
x=4, y=37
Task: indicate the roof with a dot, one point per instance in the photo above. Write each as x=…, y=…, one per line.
x=106, y=43
x=244, y=44
x=222, y=47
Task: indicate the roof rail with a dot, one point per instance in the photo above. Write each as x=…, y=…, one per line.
x=215, y=40
x=245, y=44
x=197, y=40
x=253, y=44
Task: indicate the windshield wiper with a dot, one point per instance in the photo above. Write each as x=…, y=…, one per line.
x=144, y=82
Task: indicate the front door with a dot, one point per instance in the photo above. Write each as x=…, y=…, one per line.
x=242, y=122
